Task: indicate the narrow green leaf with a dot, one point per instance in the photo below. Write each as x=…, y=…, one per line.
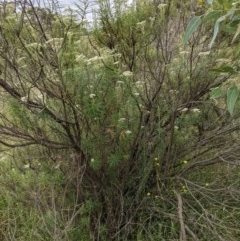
x=229, y=16
x=236, y=17
x=236, y=34
x=95, y=164
x=220, y=2
x=232, y=96
x=227, y=28
x=113, y=160
x=216, y=29
x=192, y=26
x=224, y=69
x=211, y=15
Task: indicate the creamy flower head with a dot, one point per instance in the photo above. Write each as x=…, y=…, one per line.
x=122, y=120
x=26, y=166
x=55, y=43
x=81, y=58
x=139, y=84
x=33, y=45
x=94, y=59
x=204, y=53
x=196, y=110
x=127, y=73
x=184, y=52
x=24, y=99
x=128, y=132
x=162, y=5
x=141, y=23
x=184, y=110
x=22, y=59
x=92, y=96
x=120, y=82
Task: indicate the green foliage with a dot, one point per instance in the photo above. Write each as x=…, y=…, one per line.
x=232, y=96
x=191, y=28
x=118, y=130
x=225, y=15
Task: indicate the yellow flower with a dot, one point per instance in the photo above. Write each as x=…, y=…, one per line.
x=184, y=189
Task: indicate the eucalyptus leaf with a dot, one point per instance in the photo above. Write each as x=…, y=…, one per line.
x=191, y=28
x=232, y=96
x=216, y=29
x=211, y=15
x=236, y=34
x=216, y=93
x=229, y=16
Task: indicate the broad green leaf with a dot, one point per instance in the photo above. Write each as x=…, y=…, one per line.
x=232, y=96
x=216, y=93
x=192, y=26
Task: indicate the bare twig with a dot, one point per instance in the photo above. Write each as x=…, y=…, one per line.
x=183, y=236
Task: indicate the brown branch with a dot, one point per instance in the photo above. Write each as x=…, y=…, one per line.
x=183, y=236
x=195, y=238
x=9, y=89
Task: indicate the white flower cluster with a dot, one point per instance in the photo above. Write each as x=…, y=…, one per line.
x=140, y=84
x=94, y=59
x=121, y=120
x=162, y=5
x=194, y=110
x=81, y=58
x=92, y=96
x=127, y=73
x=128, y=132
x=204, y=53
x=55, y=43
